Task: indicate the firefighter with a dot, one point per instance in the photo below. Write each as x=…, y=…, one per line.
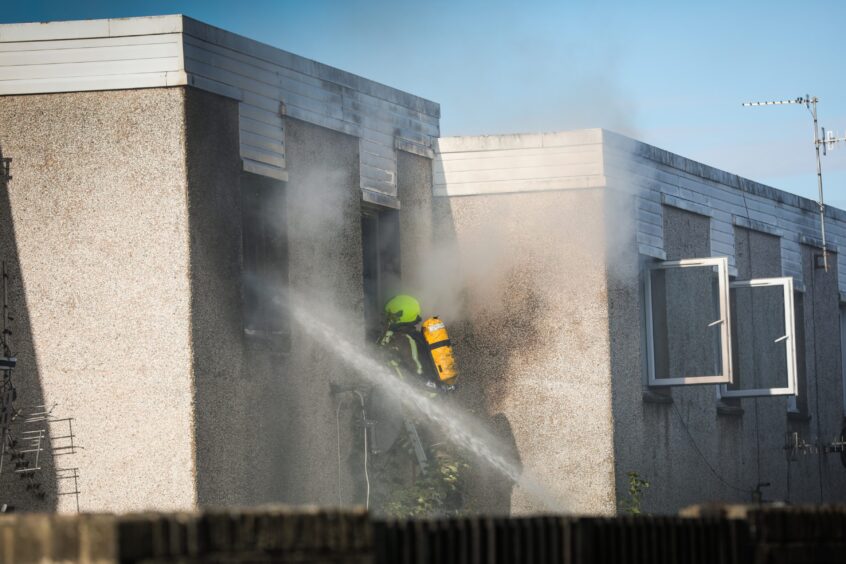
x=406, y=350
x=412, y=467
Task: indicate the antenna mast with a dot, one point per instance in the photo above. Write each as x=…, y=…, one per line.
x=824, y=141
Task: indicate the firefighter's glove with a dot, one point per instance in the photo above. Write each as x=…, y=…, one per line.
x=440, y=386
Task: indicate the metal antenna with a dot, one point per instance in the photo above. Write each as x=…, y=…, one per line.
x=827, y=142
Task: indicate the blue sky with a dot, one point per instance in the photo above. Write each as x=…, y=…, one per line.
x=671, y=73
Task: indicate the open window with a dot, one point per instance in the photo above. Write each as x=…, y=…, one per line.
x=688, y=334
x=763, y=339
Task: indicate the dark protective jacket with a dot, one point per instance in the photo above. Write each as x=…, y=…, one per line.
x=408, y=354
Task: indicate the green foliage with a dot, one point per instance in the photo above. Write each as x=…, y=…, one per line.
x=438, y=492
x=637, y=489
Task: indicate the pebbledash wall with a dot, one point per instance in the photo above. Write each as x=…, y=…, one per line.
x=132, y=142
x=559, y=348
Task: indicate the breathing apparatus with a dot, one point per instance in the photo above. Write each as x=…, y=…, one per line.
x=403, y=309
x=440, y=349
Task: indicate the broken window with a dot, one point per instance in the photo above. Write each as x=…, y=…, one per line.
x=380, y=244
x=265, y=261
x=763, y=339
x=688, y=335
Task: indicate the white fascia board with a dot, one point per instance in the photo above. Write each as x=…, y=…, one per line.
x=126, y=81
x=87, y=29
x=594, y=182
x=518, y=141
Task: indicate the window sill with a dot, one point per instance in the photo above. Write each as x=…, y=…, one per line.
x=650, y=396
x=727, y=410
x=799, y=417
x=262, y=341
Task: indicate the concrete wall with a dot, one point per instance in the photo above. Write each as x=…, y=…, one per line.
x=324, y=213
x=123, y=236
x=266, y=428
x=222, y=424
x=819, y=478
x=417, y=234
x=530, y=333
x=95, y=227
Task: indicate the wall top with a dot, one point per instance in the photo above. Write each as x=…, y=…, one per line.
x=88, y=29
x=270, y=84
x=177, y=23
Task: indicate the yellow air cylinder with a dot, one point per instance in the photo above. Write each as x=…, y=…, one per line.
x=440, y=348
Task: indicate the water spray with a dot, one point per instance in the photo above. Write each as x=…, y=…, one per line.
x=458, y=428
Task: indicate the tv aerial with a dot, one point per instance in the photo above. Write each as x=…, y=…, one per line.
x=825, y=140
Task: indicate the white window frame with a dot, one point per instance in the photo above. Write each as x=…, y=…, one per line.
x=790, y=337
x=725, y=332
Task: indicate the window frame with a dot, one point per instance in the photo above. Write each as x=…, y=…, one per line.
x=725, y=318
x=790, y=329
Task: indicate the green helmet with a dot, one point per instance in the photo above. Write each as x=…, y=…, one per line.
x=403, y=309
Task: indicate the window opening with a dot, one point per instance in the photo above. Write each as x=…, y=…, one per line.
x=265, y=260
x=380, y=244
x=763, y=339
x=843, y=354
x=688, y=335
x=797, y=405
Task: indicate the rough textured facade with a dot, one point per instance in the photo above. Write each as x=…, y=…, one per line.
x=532, y=342
x=230, y=182
x=325, y=272
x=96, y=234
x=691, y=445
x=589, y=323
x=152, y=262
x=147, y=246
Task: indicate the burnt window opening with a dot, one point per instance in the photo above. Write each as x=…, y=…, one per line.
x=380, y=245
x=265, y=262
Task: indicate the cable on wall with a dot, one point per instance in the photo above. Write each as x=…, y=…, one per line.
x=702, y=456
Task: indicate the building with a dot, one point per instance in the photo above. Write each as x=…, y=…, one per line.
x=153, y=163
x=603, y=348
x=175, y=186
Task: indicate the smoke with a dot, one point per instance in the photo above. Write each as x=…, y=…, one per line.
x=490, y=246
x=524, y=281
x=520, y=279
x=453, y=424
